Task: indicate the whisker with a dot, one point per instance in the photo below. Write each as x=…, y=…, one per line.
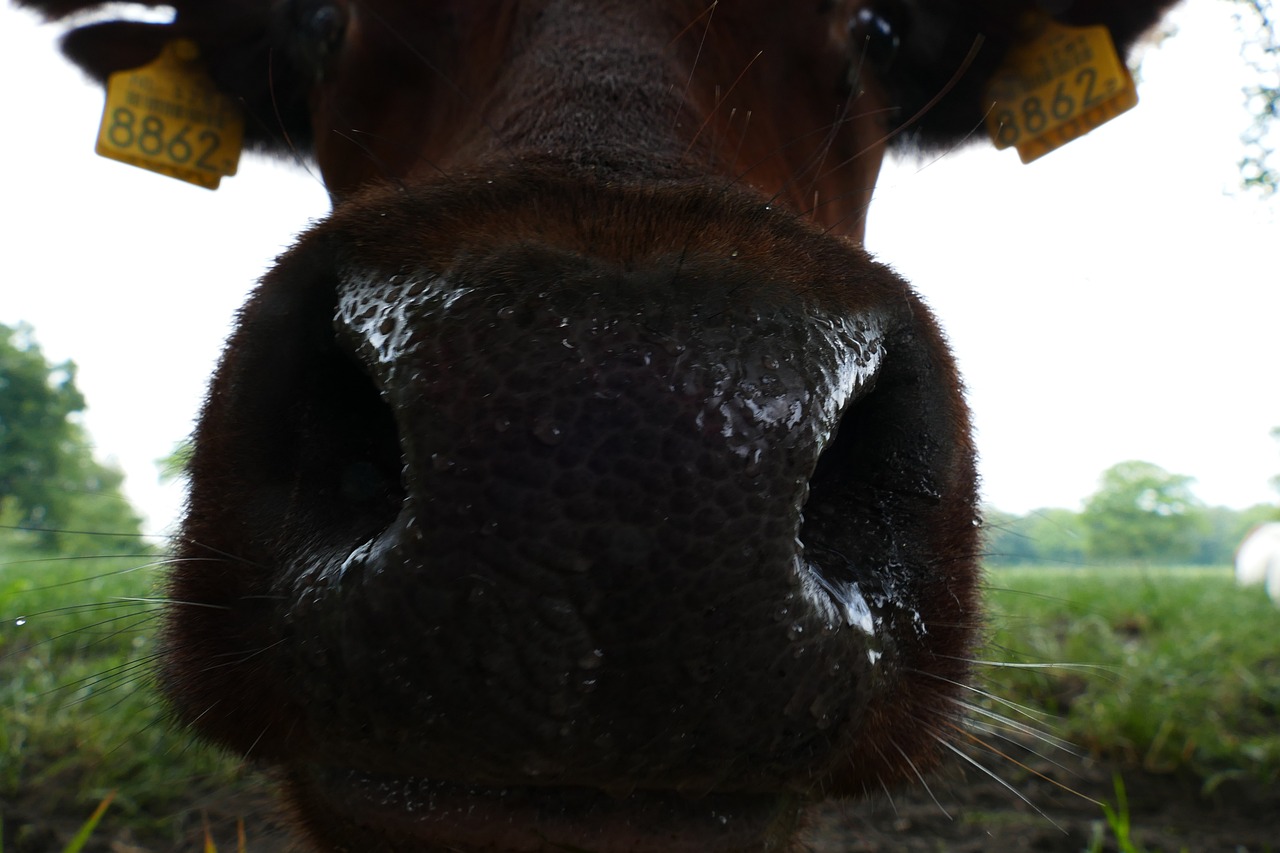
x=995, y=732
x=248, y=753
x=709, y=13
x=281, y=129
x=994, y=777
x=711, y=114
x=144, y=567
x=92, y=607
x=978, y=41
x=1011, y=724
x=742, y=137
x=112, y=677
x=218, y=552
x=1092, y=668
x=814, y=167
x=992, y=749
x=902, y=128
x=888, y=795
x=1025, y=710
x=826, y=130
x=70, y=532
x=920, y=778
x=388, y=174
x=948, y=152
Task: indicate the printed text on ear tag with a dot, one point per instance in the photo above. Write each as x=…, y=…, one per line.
x=1057, y=87
x=169, y=117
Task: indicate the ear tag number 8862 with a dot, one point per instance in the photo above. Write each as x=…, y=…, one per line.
x=1062, y=83
x=169, y=117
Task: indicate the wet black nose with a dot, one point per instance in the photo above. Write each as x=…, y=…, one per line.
x=605, y=477
x=683, y=512
x=591, y=418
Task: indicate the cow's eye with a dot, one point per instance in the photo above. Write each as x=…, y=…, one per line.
x=876, y=32
x=316, y=29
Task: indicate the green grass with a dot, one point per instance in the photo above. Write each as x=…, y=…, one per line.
x=79, y=716
x=1171, y=669
x=1165, y=670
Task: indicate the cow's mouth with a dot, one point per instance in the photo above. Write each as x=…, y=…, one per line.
x=415, y=813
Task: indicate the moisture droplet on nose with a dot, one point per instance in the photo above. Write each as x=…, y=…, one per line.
x=547, y=430
x=672, y=346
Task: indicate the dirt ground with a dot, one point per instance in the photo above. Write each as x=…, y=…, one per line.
x=1166, y=815
x=973, y=813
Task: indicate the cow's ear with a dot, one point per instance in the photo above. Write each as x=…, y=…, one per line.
x=934, y=58
x=102, y=48
x=247, y=47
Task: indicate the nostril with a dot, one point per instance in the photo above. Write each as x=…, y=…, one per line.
x=841, y=454
x=312, y=443
x=838, y=503
x=350, y=472
x=363, y=482
x=875, y=515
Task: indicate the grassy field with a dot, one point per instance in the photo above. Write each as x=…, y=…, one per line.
x=78, y=715
x=1168, y=670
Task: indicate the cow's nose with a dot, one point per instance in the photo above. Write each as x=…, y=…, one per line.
x=608, y=477
x=584, y=417
x=689, y=515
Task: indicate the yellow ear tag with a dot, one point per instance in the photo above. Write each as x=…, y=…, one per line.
x=170, y=118
x=1058, y=86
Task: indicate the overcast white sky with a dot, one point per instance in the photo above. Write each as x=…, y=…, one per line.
x=1116, y=300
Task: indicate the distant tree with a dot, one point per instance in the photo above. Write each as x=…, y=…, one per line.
x=49, y=480
x=37, y=433
x=1223, y=529
x=1250, y=518
x=1275, y=481
x=1142, y=512
x=1261, y=50
x=1042, y=536
x=1002, y=542
x=1059, y=536
x=174, y=466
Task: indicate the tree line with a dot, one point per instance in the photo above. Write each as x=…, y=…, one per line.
x=51, y=486
x=52, y=489
x=1140, y=513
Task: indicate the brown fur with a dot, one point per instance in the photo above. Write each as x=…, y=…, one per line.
x=580, y=483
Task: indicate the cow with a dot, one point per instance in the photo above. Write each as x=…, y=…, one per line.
x=1258, y=559
x=580, y=482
